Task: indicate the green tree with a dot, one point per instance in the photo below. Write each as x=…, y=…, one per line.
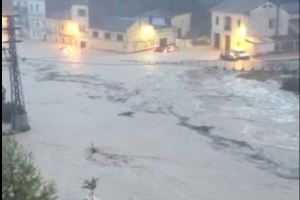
x=20, y=179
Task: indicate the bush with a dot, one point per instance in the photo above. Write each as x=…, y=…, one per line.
x=291, y=84
x=20, y=179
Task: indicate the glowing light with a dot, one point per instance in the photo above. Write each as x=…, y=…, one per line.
x=4, y=22
x=240, y=38
x=242, y=31
x=72, y=28
x=4, y=32
x=147, y=32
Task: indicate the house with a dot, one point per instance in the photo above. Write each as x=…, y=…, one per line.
x=248, y=24
x=67, y=22
x=170, y=27
x=31, y=18
x=80, y=23
x=36, y=19
x=121, y=34
x=134, y=33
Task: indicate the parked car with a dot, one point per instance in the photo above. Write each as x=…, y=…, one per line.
x=240, y=54
x=165, y=49
x=229, y=56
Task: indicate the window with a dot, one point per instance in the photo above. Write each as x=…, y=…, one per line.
x=81, y=12
x=107, y=36
x=31, y=7
x=217, y=20
x=227, y=26
x=271, y=23
x=120, y=37
x=95, y=34
x=36, y=7
x=239, y=23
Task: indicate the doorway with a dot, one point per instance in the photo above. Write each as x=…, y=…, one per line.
x=227, y=43
x=179, y=33
x=82, y=44
x=217, y=40
x=163, y=42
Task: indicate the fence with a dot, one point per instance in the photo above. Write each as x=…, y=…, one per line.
x=287, y=46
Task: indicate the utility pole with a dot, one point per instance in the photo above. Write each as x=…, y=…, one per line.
x=19, y=115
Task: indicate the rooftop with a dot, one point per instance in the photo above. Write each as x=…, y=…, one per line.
x=115, y=24
x=162, y=13
x=238, y=6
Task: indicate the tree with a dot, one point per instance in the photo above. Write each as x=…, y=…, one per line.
x=20, y=179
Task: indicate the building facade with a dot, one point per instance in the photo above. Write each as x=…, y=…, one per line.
x=67, y=23
x=36, y=19
x=248, y=25
x=124, y=35
x=32, y=17
x=75, y=23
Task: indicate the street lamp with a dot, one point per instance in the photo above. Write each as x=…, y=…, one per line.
x=72, y=28
x=147, y=32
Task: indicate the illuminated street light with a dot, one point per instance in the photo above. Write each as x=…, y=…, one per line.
x=4, y=22
x=4, y=32
x=147, y=32
x=240, y=38
x=72, y=28
x=242, y=32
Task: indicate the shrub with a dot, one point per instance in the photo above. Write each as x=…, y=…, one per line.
x=20, y=179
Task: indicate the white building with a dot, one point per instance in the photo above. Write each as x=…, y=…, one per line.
x=248, y=25
x=32, y=16
x=79, y=23
x=36, y=19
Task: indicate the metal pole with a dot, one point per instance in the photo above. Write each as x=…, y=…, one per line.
x=19, y=115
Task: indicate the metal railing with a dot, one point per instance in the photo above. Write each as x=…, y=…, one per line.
x=242, y=65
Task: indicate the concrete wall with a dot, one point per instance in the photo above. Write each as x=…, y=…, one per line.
x=183, y=22
x=261, y=48
x=103, y=44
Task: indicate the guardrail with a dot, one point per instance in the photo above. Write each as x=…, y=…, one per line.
x=241, y=65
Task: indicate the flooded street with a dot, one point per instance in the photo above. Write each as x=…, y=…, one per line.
x=164, y=128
